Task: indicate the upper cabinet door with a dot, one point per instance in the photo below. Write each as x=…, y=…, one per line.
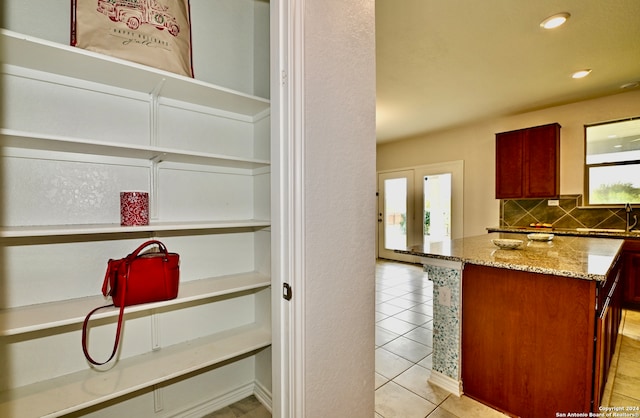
x=542, y=161
x=509, y=160
x=528, y=163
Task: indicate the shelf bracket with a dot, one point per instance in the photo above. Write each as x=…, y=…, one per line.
x=154, y=187
x=158, y=399
x=154, y=140
x=155, y=332
x=153, y=113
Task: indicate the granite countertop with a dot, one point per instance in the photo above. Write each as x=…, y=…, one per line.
x=569, y=256
x=578, y=232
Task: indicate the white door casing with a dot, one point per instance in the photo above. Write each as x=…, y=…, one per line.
x=287, y=162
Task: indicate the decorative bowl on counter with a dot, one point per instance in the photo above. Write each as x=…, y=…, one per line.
x=540, y=237
x=507, y=244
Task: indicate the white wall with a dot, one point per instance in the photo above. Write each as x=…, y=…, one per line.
x=475, y=144
x=339, y=190
x=45, y=19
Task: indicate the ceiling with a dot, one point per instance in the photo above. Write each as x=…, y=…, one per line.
x=443, y=64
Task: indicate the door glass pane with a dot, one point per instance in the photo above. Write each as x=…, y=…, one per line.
x=395, y=212
x=437, y=208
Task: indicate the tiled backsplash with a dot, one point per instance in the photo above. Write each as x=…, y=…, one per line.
x=521, y=213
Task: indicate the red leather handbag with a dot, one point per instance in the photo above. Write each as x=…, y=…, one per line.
x=140, y=277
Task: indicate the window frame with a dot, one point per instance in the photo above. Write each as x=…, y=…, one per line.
x=586, y=188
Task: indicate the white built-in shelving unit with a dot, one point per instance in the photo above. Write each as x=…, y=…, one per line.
x=78, y=127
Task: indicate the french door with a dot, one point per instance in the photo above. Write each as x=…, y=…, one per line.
x=395, y=208
x=418, y=205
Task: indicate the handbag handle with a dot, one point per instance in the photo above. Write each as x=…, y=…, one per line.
x=138, y=250
x=113, y=264
x=85, y=349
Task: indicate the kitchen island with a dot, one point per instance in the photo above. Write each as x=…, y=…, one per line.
x=528, y=331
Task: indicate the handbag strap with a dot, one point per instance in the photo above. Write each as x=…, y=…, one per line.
x=116, y=343
x=106, y=289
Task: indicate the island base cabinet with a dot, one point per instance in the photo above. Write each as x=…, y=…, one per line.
x=527, y=341
x=609, y=316
x=631, y=266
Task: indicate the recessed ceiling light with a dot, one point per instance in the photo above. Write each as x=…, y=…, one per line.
x=581, y=73
x=554, y=21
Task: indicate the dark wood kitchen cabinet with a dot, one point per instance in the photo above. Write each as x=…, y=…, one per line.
x=528, y=163
x=528, y=344
x=608, y=317
x=631, y=273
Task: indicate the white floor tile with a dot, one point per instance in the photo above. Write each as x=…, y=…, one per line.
x=388, y=308
x=408, y=349
x=380, y=380
x=416, y=380
x=402, y=302
x=467, y=407
x=390, y=365
x=427, y=362
x=423, y=308
x=396, y=325
x=394, y=401
x=380, y=316
x=422, y=335
x=413, y=317
x=384, y=336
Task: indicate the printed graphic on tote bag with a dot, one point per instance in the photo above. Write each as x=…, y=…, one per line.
x=150, y=32
x=136, y=13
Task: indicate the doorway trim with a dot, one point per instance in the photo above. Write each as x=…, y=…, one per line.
x=287, y=210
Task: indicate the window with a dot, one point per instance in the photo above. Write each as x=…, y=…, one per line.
x=612, y=162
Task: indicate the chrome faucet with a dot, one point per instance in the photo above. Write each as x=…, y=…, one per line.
x=628, y=210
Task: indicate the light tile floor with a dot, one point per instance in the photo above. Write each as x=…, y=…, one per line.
x=404, y=340
x=623, y=385
x=404, y=309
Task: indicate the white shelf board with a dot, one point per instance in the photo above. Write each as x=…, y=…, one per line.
x=42, y=55
x=29, y=140
x=72, y=311
x=76, y=391
x=93, y=229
